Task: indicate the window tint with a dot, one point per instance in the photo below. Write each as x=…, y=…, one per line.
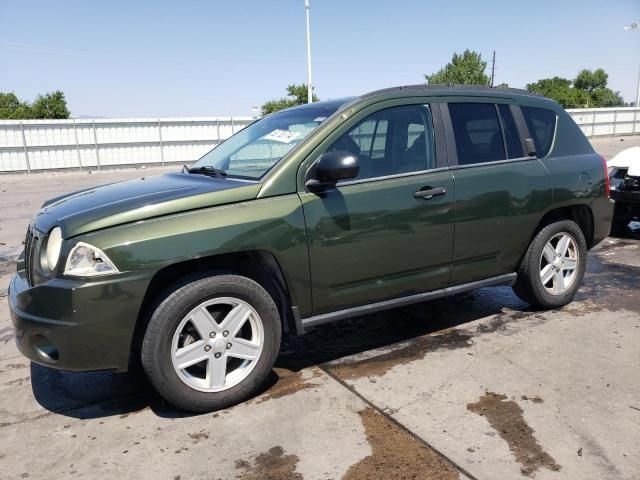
x=511, y=136
x=477, y=131
x=542, y=125
x=391, y=141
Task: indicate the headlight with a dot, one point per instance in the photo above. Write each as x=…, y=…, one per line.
x=85, y=260
x=54, y=244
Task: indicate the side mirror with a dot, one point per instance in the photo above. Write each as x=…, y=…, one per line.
x=530, y=146
x=332, y=167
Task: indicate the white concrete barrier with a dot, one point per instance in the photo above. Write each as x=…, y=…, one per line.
x=596, y=122
x=27, y=145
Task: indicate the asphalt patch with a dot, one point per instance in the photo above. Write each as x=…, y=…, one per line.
x=396, y=454
x=272, y=465
x=506, y=417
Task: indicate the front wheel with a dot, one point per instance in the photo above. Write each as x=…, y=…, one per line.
x=211, y=342
x=553, y=267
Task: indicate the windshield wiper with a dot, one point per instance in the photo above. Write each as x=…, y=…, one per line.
x=206, y=170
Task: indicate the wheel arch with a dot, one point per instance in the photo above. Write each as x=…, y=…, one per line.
x=581, y=214
x=260, y=266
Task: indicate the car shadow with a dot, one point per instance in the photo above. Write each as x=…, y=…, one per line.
x=90, y=395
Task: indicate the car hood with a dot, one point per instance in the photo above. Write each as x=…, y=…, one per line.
x=140, y=199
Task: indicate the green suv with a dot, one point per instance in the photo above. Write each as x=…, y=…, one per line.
x=310, y=215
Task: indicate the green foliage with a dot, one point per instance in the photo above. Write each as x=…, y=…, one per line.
x=51, y=105
x=465, y=69
x=591, y=81
x=588, y=89
x=296, y=95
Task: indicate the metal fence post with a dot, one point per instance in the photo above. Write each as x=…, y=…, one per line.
x=218, y=128
x=95, y=141
x=75, y=134
x=24, y=146
x=232, y=127
x=161, y=144
x=635, y=119
x=615, y=120
x=593, y=124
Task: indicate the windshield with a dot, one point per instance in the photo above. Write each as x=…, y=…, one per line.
x=251, y=152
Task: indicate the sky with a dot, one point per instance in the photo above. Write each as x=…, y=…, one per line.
x=219, y=57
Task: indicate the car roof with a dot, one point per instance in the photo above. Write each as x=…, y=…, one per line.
x=434, y=89
x=427, y=90
x=332, y=104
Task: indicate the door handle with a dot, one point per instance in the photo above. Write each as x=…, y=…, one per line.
x=427, y=193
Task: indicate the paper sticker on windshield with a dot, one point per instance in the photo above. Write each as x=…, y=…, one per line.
x=284, y=136
x=319, y=119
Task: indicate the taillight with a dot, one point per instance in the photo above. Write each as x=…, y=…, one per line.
x=607, y=182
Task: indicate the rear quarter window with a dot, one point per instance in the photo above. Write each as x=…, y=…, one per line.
x=542, y=127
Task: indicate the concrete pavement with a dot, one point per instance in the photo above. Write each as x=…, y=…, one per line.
x=474, y=386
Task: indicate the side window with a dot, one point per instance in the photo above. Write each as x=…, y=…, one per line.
x=511, y=136
x=392, y=141
x=477, y=132
x=370, y=136
x=542, y=126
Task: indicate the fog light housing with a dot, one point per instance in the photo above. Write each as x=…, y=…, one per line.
x=45, y=348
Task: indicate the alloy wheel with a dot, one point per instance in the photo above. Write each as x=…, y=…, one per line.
x=217, y=344
x=559, y=263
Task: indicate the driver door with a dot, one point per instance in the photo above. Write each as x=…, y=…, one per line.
x=377, y=237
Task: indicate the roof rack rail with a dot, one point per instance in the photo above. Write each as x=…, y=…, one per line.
x=456, y=87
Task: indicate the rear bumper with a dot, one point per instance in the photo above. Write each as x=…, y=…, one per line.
x=77, y=325
x=602, y=210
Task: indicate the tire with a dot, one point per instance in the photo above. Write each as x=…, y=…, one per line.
x=529, y=285
x=176, y=335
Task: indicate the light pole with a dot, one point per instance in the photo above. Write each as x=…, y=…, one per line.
x=634, y=26
x=309, y=88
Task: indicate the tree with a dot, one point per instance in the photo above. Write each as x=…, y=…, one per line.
x=588, y=89
x=590, y=81
x=12, y=108
x=465, y=69
x=296, y=95
x=560, y=90
x=51, y=105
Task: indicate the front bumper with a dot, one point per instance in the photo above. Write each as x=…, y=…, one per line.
x=75, y=324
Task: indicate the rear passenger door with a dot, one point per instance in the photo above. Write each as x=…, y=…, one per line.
x=500, y=191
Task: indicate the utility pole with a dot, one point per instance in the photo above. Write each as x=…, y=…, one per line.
x=634, y=26
x=493, y=67
x=309, y=87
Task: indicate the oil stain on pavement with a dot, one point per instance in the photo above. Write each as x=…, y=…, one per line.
x=506, y=417
x=288, y=383
x=414, y=350
x=272, y=465
x=395, y=454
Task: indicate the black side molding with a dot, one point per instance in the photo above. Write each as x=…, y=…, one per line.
x=303, y=324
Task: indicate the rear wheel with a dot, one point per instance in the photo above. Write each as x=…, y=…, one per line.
x=553, y=267
x=211, y=342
